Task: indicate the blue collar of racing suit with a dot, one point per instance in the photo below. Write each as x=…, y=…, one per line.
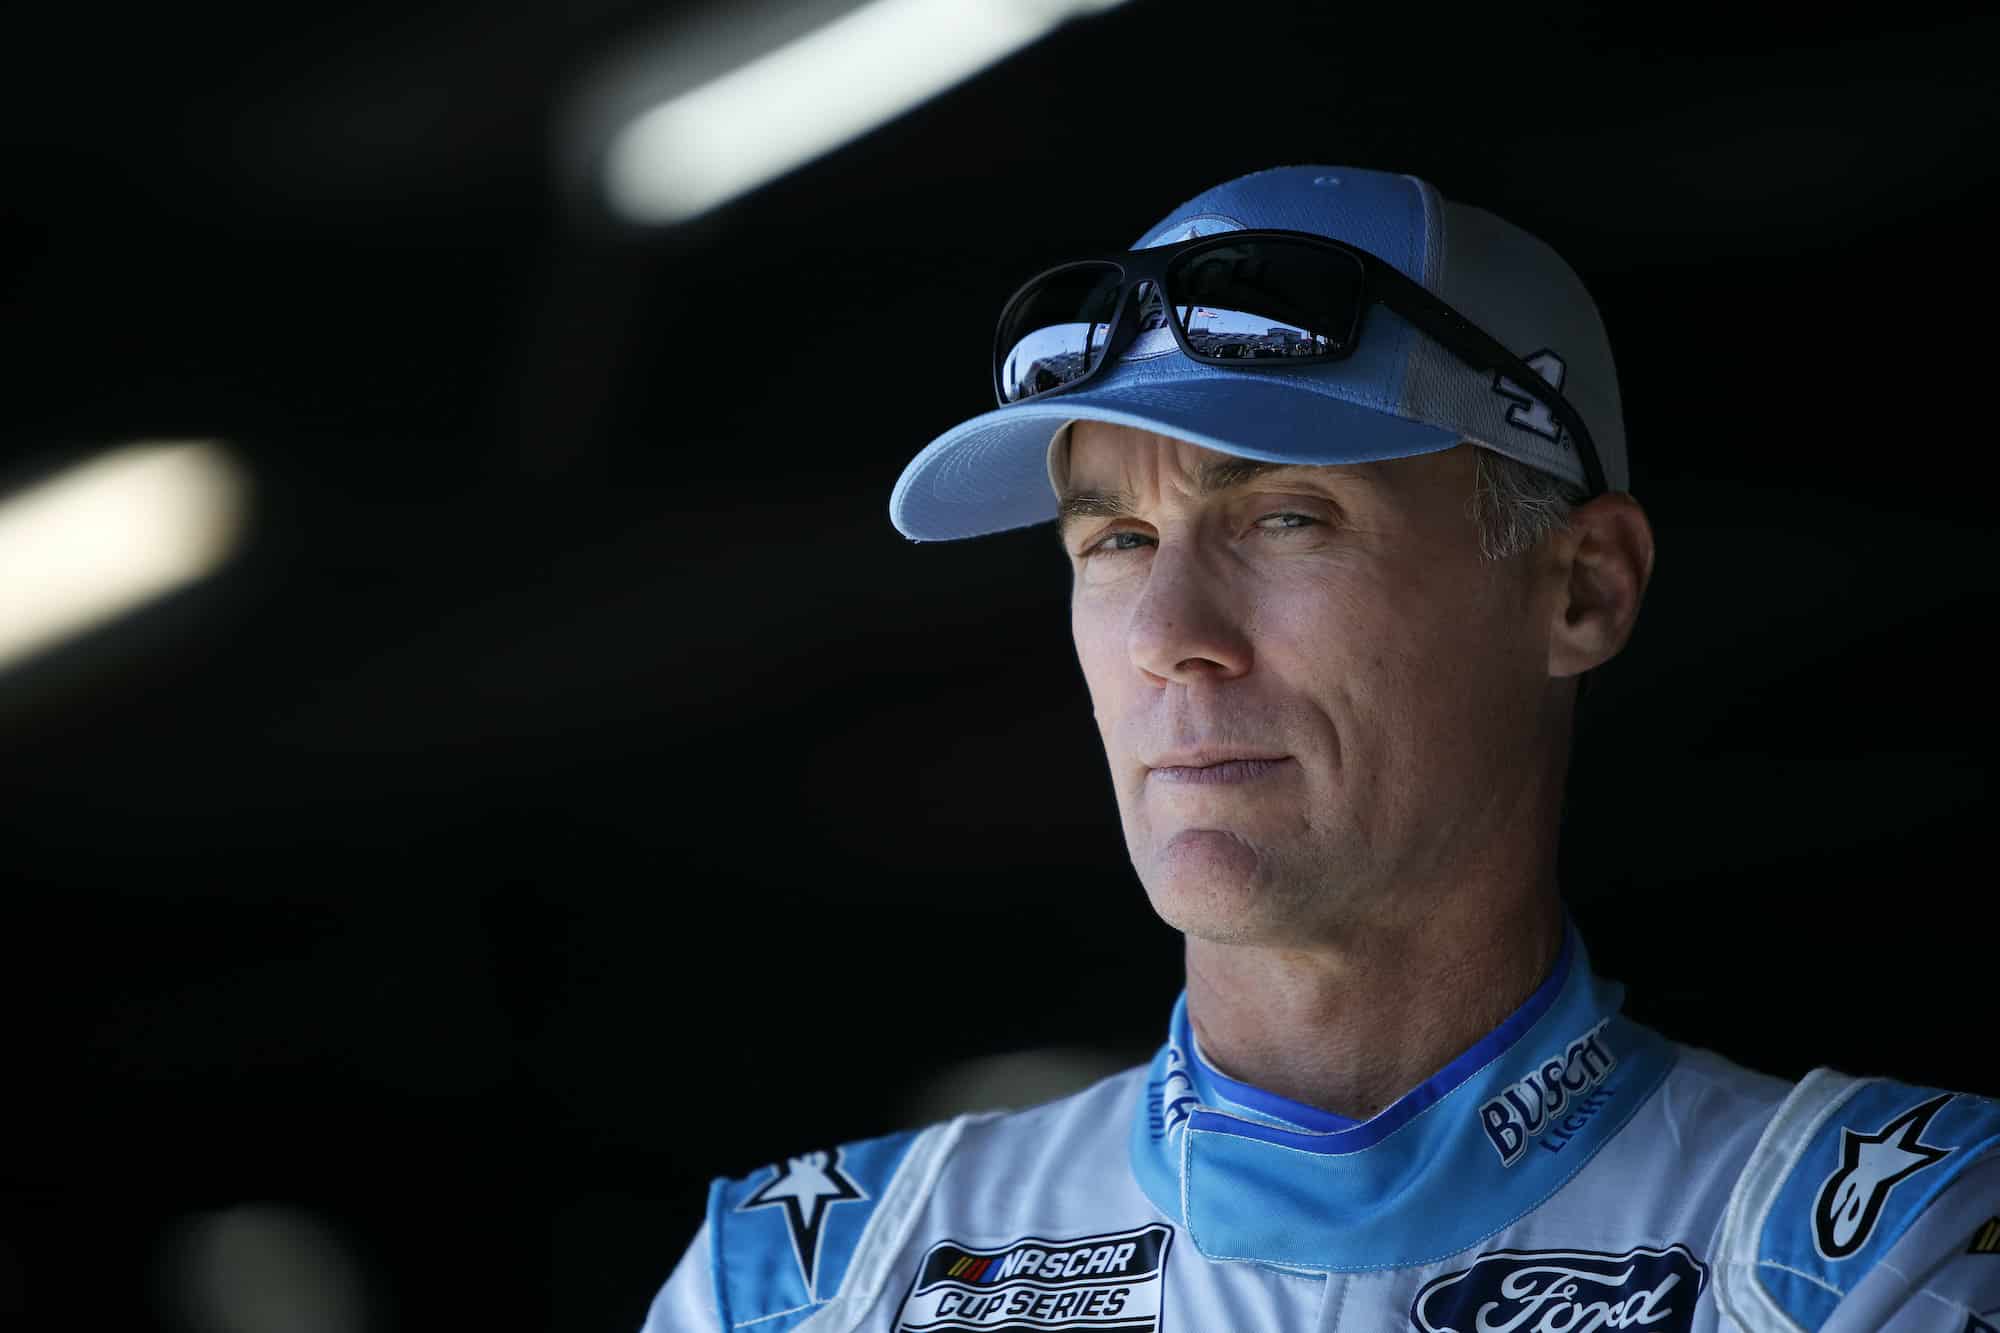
x=1485, y=1140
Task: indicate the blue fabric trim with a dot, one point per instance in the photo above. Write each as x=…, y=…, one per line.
x=1961, y=1131
x=1488, y=1139
x=760, y=1253
x=873, y=1164
x=1348, y=1136
x=715, y=1266
x=1219, y=1087
x=1428, y=1192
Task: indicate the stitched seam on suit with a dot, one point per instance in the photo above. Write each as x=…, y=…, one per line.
x=1800, y=1273
x=778, y=1315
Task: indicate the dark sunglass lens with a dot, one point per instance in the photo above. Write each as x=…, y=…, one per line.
x=1055, y=333
x=1266, y=298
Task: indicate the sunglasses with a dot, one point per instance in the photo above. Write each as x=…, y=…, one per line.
x=1242, y=299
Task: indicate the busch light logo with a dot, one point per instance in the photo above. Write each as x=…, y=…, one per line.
x=1535, y=1105
x=1565, y=1291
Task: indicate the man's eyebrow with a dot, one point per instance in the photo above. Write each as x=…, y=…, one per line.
x=1093, y=504
x=1211, y=478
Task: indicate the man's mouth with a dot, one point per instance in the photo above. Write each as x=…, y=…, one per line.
x=1215, y=769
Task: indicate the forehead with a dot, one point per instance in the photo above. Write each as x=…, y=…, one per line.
x=1104, y=457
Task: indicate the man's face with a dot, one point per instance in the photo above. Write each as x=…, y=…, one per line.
x=1319, y=701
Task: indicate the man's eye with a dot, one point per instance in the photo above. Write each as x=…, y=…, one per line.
x=1286, y=522
x=1115, y=542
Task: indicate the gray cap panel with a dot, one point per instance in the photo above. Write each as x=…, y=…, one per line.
x=1521, y=291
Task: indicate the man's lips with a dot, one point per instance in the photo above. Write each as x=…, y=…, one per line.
x=1213, y=766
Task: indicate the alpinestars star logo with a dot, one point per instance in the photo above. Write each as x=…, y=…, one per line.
x=1530, y=412
x=1871, y=1165
x=805, y=1187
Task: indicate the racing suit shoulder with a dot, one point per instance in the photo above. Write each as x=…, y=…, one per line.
x=1665, y=1178
x=1711, y=1113
x=814, y=1237
x=779, y=1243
x=1861, y=1210
x=1730, y=1079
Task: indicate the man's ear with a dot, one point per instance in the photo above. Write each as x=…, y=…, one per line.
x=1602, y=565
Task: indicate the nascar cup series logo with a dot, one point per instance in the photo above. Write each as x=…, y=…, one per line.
x=1096, y=1282
x=1534, y=1107
x=1565, y=1291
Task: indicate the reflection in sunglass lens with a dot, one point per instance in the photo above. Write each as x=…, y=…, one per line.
x=1266, y=298
x=1056, y=333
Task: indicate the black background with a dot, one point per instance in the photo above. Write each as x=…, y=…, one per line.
x=576, y=789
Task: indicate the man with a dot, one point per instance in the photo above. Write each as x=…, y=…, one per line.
x=1340, y=470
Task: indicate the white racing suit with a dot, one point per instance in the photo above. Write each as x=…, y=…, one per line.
x=1572, y=1172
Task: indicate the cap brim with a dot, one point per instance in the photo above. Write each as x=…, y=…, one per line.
x=990, y=474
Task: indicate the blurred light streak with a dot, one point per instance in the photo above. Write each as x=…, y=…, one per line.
x=1010, y=1082
x=110, y=534
x=812, y=95
x=263, y=1268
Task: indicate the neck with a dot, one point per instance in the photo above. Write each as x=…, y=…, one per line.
x=1351, y=1027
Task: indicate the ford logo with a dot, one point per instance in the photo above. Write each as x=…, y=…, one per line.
x=1565, y=1291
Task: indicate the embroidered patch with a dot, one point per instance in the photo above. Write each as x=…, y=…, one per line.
x=1090, y=1282
x=1528, y=411
x=1578, y=1291
x=805, y=1187
x=1569, y=1080
x=1872, y=1164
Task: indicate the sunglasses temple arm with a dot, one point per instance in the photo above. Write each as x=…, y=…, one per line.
x=1481, y=351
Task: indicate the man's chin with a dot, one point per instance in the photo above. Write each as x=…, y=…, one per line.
x=1213, y=885
x=1208, y=854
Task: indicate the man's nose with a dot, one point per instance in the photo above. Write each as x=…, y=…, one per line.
x=1187, y=625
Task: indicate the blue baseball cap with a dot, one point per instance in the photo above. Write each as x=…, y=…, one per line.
x=1400, y=393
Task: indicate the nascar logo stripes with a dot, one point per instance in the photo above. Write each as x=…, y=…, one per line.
x=969, y=1268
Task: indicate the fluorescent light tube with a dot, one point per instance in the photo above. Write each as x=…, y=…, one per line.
x=812, y=95
x=92, y=543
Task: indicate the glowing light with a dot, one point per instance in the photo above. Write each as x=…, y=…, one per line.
x=264, y=1268
x=811, y=95
x=107, y=536
x=1010, y=1082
